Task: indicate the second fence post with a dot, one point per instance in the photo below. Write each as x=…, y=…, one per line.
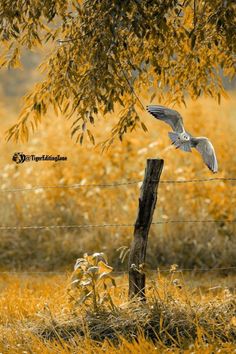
x=147, y=203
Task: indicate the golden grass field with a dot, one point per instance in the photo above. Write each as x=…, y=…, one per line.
x=36, y=317
x=199, y=318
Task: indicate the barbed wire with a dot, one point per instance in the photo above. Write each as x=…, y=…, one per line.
x=12, y=272
x=199, y=180
x=180, y=270
x=125, y=272
x=115, y=184
x=85, y=226
x=71, y=186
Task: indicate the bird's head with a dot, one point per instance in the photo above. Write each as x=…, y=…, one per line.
x=185, y=137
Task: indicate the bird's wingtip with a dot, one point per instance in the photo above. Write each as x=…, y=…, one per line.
x=213, y=169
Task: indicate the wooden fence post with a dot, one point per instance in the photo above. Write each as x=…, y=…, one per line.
x=147, y=203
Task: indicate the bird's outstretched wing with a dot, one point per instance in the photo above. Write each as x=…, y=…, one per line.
x=206, y=149
x=167, y=115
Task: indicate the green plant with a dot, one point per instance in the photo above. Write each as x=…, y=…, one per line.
x=91, y=281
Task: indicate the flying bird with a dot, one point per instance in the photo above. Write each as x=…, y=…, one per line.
x=182, y=139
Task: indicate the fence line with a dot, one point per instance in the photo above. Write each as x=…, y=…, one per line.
x=196, y=269
x=84, y=226
x=117, y=273
x=71, y=186
x=115, y=184
x=199, y=180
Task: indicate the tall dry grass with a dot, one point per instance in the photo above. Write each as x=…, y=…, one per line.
x=36, y=317
x=210, y=245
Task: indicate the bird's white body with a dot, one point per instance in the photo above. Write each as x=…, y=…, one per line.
x=182, y=139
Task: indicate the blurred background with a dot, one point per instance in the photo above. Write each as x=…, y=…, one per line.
x=188, y=245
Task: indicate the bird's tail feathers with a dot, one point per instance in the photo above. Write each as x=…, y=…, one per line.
x=186, y=147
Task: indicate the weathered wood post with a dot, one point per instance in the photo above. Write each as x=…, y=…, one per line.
x=147, y=203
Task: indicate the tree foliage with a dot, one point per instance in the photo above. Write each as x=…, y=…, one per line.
x=105, y=53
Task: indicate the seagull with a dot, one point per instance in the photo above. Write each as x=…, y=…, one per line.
x=182, y=139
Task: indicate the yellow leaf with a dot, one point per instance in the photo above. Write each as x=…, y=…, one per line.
x=104, y=268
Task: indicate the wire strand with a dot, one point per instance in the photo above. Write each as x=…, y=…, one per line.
x=85, y=226
x=113, y=185
x=118, y=273
x=71, y=186
x=199, y=180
